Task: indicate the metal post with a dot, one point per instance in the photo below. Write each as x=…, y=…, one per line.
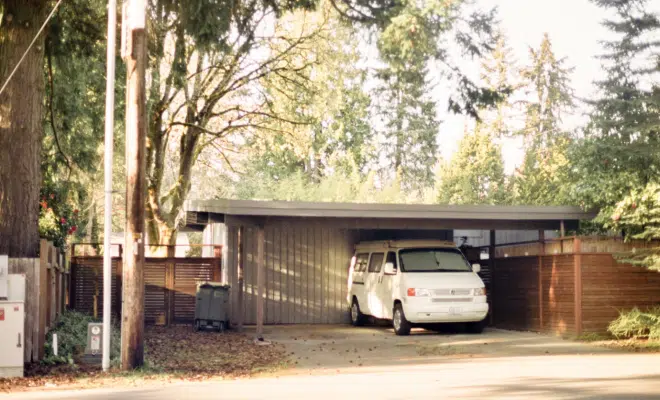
x=107, y=213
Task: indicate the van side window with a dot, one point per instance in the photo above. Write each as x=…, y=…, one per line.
x=391, y=258
x=376, y=262
x=361, y=262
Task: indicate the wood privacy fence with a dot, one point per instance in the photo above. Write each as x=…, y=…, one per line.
x=568, y=293
x=565, y=245
x=170, y=286
x=46, y=281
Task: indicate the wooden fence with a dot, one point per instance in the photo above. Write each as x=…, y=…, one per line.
x=570, y=293
x=45, y=295
x=588, y=244
x=170, y=286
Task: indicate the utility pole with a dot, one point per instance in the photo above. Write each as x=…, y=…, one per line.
x=134, y=52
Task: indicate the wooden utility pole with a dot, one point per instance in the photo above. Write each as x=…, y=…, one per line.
x=134, y=52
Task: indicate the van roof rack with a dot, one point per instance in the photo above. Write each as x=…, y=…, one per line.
x=398, y=244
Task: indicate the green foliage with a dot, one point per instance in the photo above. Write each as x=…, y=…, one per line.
x=333, y=188
x=620, y=152
x=71, y=330
x=475, y=174
x=409, y=127
x=615, y=166
x=638, y=214
x=547, y=82
x=637, y=324
x=330, y=104
x=58, y=220
x=72, y=146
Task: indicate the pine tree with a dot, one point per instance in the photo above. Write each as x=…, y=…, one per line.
x=547, y=82
x=615, y=166
x=475, y=174
x=499, y=73
x=409, y=127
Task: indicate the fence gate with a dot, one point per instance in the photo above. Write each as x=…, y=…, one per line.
x=169, y=293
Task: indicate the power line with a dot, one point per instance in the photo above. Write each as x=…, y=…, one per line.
x=30, y=46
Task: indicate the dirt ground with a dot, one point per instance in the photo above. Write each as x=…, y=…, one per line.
x=320, y=349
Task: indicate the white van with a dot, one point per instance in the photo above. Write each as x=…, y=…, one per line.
x=415, y=282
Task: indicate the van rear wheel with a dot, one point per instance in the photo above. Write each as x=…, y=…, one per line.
x=357, y=318
x=399, y=322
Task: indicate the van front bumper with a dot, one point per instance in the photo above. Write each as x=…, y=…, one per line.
x=448, y=312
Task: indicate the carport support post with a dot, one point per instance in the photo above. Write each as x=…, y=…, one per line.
x=239, y=272
x=491, y=263
x=260, y=281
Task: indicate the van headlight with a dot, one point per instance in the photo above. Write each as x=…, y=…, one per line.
x=479, y=292
x=414, y=292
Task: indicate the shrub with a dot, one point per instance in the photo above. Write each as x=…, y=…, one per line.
x=637, y=324
x=71, y=330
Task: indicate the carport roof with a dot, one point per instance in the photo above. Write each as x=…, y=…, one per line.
x=385, y=216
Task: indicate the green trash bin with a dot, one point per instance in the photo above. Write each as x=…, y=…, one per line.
x=212, y=306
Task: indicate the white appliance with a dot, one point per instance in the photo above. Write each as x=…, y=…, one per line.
x=12, y=321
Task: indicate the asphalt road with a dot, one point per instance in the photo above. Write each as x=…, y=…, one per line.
x=597, y=376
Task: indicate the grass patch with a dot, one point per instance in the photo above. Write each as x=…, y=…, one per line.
x=633, y=345
x=592, y=337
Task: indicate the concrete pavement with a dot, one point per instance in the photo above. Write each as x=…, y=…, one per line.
x=598, y=376
x=339, y=362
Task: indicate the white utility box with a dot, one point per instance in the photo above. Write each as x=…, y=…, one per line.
x=12, y=322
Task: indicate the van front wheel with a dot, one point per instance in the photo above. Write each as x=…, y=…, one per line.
x=399, y=321
x=357, y=318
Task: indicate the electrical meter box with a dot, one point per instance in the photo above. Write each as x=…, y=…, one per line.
x=94, y=348
x=12, y=322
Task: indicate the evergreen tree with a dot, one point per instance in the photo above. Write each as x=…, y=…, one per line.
x=615, y=166
x=409, y=127
x=547, y=82
x=499, y=73
x=475, y=174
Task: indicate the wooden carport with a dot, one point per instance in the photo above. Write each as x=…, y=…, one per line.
x=258, y=230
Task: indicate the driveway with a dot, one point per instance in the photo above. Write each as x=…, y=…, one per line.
x=352, y=363
x=320, y=349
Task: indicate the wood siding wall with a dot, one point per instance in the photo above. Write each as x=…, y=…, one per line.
x=306, y=273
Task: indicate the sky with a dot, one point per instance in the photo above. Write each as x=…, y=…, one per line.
x=574, y=27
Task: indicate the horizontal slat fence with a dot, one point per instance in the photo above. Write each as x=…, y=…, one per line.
x=568, y=294
x=609, y=287
x=170, y=286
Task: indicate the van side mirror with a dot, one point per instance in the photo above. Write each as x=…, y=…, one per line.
x=476, y=268
x=389, y=269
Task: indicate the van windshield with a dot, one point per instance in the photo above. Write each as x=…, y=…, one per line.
x=433, y=260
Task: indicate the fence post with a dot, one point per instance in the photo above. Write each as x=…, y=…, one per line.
x=170, y=265
x=118, y=284
x=541, y=290
x=217, y=263
x=577, y=269
x=491, y=262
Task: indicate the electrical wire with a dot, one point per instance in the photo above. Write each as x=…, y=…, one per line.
x=30, y=46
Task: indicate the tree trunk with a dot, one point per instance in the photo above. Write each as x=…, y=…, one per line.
x=21, y=130
x=160, y=234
